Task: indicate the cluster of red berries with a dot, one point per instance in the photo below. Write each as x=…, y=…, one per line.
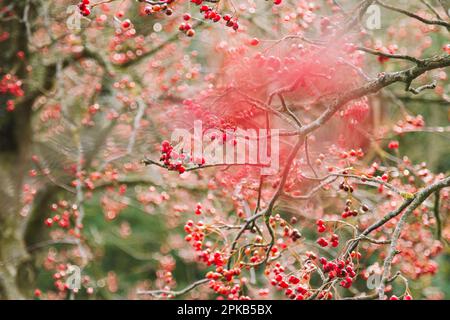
x=167, y=156
x=198, y=209
x=84, y=7
x=10, y=84
x=211, y=258
x=288, y=231
x=410, y=123
x=159, y=8
x=340, y=269
x=291, y=284
x=231, y=292
x=349, y=212
x=321, y=226
x=359, y=153
x=406, y=297
x=126, y=45
x=334, y=240
x=393, y=144
x=391, y=49
x=64, y=217
x=59, y=276
x=256, y=256
x=346, y=187
x=187, y=29
x=195, y=234
x=222, y=273
x=211, y=14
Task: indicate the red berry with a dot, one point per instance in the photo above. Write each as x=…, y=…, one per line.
x=126, y=24
x=49, y=222
x=254, y=42
x=322, y=242
x=86, y=11
x=37, y=293
x=393, y=145
x=190, y=33
x=294, y=280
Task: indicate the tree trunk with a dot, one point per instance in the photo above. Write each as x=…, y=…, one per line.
x=15, y=277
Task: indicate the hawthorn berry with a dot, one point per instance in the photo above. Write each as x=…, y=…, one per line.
x=84, y=9
x=321, y=226
x=48, y=222
x=334, y=240
x=37, y=293
x=126, y=24
x=393, y=145
x=322, y=242
x=190, y=33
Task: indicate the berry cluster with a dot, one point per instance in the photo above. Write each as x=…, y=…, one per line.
x=65, y=217
x=393, y=144
x=410, y=123
x=84, y=7
x=222, y=273
x=163, y=7
x=168, y=156
x=209, y=14
x=321, y=226
x=126, y=45
x=346, y=187
x=334, y=240
x=232, y=292
x=198, y=209
x=292, y=284
x=187, y=29
x=349, y=212
x=391, y=49
x=9, y=84
x=59, y=265
x=195, y=234
x=288, y=231
x=175, y=161
x=340, y=269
